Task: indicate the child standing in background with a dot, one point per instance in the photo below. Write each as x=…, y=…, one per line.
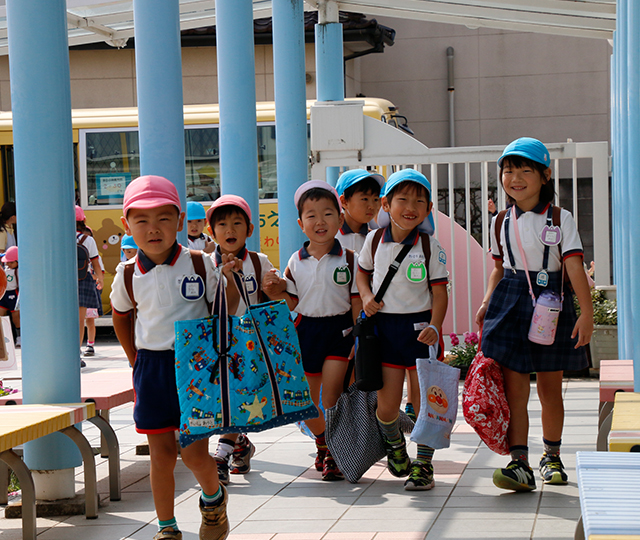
x=196, y=220
x=128, y=248
x=359, y=192
x=505, y=316
x=10, y=297
x=409, y=318
x=229, y=221
x=321, y=289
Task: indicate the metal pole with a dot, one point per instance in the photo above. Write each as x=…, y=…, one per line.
x=43, y=158
x=159, y=86
x=237, y=96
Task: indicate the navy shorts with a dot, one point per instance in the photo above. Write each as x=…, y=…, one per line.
x=156, y=408
x=399, y=338
x=321, y=339
x=9, y=300
x=507, y=322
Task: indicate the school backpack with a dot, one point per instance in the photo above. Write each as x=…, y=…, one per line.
x=83, y=257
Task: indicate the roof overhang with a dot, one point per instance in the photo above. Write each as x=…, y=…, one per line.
x=92, y=21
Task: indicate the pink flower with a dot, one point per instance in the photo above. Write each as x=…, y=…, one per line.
x=454, y=339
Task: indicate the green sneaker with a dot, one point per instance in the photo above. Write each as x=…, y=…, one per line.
x=168, y=533
x=420, y=477
x=552, y=470
x=518, y=476
x=398, y=461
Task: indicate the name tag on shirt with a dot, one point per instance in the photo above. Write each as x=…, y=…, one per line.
x=192, y=288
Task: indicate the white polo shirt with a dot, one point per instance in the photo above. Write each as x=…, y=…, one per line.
x=408, y=291
x=352, y=240
x=12, y=282
x=157, y=290
x=321, y=286
x=252, y=281
x=530, y=225
x=199, y=242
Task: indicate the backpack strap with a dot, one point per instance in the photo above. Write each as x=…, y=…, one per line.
x=129, y=268
x=82, y=239
x=426, y=249
x=350, y=262
x=377, y=237
x=198, y=266
x=257, y=268
x=498, y=228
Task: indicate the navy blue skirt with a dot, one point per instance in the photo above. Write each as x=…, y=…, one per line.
x=88, y=295
x=507, y=322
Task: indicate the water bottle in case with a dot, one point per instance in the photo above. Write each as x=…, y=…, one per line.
x=545, y=318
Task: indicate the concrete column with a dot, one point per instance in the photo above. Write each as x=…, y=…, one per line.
x=633, y=142
x=159, y=86
x=329, y=62
x=43, y=158
x=291, y=118
x=237, y=98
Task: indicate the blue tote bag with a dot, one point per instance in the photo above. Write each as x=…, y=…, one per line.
x=239, y=374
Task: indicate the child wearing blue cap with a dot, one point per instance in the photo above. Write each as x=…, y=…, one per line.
x=128, y=248
x=196, y=220
x=359, y=192
x=409, y=318
x=546, y=247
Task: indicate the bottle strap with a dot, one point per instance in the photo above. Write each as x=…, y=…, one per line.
x=524, y=259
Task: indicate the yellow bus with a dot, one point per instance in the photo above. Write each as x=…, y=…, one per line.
x=107, y=157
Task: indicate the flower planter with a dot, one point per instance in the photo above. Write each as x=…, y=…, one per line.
x=604, y=344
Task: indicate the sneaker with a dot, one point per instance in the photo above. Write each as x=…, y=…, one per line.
x=420, y=477
x=83, y=363
x=168, y=533
x=552, y=470
x=215, y=525
x=18, y=342
x=320, y=455
x=410, y=411
x=398, y=461
x=89, y=351
x=518, y=476
x=242, y=454
x=223, y=469
x=330, y=471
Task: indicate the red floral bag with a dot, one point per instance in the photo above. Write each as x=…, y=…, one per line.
x=484, y=403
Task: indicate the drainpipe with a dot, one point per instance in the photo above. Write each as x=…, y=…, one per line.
x=451, y=90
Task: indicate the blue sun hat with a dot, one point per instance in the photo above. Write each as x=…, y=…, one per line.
x=529, y=148
x=406, y=175
x=127, y=242
x=195, y=211
x=352, y=177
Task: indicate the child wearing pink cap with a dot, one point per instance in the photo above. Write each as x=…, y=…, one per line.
x=10, y=298
x=154, y=284
x=320, y=286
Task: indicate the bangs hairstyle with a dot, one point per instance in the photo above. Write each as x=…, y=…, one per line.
x=547, y=191
x=368, y=186
x=223, y=212
x=317, y=194
x=410, y=187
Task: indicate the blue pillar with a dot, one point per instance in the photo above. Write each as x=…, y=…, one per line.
x=291, y=118
x=633, y=141
x=43, y=158
x=329, y=64
x=159, y=85
x=237, y=97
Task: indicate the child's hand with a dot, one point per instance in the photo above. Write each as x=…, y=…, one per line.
x=272, y=284
x=480, y=314
x=429, y=336
x=99, y=282
x=583, y=329
x=209, y=247
x=370, y=306
x=230, y=264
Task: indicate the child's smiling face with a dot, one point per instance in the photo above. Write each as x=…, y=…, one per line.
x=195, y=227
x=231, y=232
x=320, y=220
x=409, y=207
x=523, y=184
x=154, y=230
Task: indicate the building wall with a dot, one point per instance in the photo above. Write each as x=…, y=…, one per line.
x=507, y=84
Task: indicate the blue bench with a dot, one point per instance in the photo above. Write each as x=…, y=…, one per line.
x=609, y=495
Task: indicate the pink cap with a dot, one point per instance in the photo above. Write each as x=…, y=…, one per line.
x=312, y=184
x=80, y=214
x=229, y=200
x=11, y=255
x=150, y=192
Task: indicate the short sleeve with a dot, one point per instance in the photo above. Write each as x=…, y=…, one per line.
x=266, y=265
x=571, y=243
x=91, y=246
x=438, y=274
x=365, y=261
x=289, y=276
x=495, y=242
x=119, y=297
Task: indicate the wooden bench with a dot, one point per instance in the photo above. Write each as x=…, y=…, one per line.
x=615, y=376
x=625, y=425
x=609, y=495
x=23, y=423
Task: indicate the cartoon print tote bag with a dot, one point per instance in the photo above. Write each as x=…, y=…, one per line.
x=239, y=373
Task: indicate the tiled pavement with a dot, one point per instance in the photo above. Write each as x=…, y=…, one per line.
x=283, y=498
